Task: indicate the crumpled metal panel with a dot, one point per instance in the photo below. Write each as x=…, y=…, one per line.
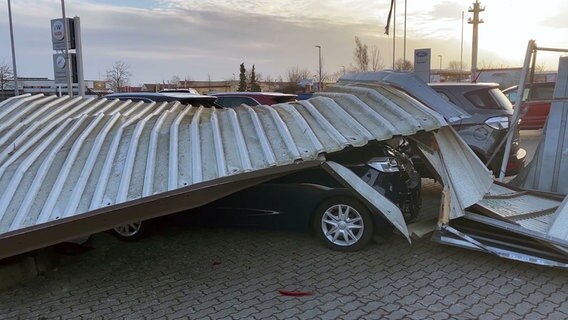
x=558, y=226
x=528, y=210
x=549, y=168
x=386, y=208
x=410, y=82
x=60, y=157
x=460, y=170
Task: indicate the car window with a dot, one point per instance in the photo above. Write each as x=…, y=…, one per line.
x=133, y=99
x=231, y=102
x=482, y=99
x=542, y=93
x=511, y=94
x=444, y=96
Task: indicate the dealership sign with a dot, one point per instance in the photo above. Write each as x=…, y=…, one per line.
x=58, y=34
x=60, y=69
x=422, y=63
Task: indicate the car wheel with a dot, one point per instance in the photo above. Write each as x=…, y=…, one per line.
x=130, y=232
x=343, y=224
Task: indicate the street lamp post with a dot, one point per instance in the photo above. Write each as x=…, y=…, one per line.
x=319, y=62
x=440, y=56
x=16, y=89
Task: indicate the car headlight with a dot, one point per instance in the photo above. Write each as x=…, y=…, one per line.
x=384, y=164
x=498, y=123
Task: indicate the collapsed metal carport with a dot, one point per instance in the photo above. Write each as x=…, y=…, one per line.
x=73, y=167
x=70, y=167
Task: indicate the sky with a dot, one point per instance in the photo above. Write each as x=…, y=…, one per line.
x=201, y=39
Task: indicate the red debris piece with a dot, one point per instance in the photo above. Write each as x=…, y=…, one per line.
x=295, y=293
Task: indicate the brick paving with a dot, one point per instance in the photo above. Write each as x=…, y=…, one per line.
x=193, y=273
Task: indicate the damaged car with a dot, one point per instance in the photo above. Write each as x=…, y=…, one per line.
x=313, y=201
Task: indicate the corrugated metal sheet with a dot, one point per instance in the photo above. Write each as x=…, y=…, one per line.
x=465, y=176
x=410, y=82
x=549, y=168
x=528, y=210
x=60, y=157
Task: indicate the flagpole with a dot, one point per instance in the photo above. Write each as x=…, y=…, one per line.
x=404, y=51
x=394, y=34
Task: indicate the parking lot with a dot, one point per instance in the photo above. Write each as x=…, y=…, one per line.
x=205, y=273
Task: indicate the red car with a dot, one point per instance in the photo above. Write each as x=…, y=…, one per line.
x=536, y=103
x=234, y=99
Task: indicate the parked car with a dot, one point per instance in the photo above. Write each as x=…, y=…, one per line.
x=189, y=90
x=313, y=200
x=234, y=99
x=182, y=97
x=304, y=95
x=491, y=114
x=535, y=106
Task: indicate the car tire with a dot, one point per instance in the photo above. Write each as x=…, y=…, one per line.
x=343, y=224
x=131, y=232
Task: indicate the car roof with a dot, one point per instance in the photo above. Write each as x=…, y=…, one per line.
x=471, y=85
x=150, y=95
x=254, y=94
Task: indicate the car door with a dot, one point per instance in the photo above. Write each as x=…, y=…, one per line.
x=538, y=106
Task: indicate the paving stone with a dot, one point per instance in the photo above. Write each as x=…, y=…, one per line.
x=523, y=308
x=546, y=307
x=535, y=315
x=170, y=275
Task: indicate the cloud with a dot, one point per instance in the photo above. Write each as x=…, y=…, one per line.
x=204, y=39
x=557, y=21
x=446, y=10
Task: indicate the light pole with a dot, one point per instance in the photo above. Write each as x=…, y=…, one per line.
x=461, y=51
x=319, y=62
x=16, y=89
x=440, y=56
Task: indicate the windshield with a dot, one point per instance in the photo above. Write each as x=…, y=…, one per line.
x=281, y=99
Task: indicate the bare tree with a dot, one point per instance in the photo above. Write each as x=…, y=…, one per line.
x=456, y=66
x=376, y=59
x=540, y=67
x=361, y=55
x=119, y=75
x=403, y=65
x=175, y=80
x=6, y=76
x=295, y=74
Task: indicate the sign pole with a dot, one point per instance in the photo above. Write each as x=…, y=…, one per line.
x=79, y=54
x=68, y=65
